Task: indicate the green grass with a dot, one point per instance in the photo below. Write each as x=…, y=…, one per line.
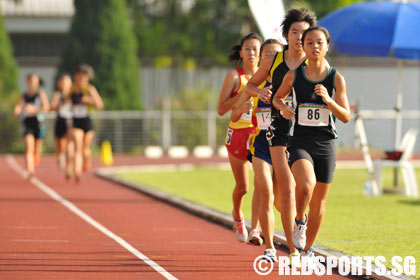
x=357, y=225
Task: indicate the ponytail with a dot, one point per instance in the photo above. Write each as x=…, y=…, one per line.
x=234, y=55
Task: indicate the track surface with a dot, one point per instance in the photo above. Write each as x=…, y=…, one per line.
x=41, y=238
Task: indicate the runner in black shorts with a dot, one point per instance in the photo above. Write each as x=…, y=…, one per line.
x=83, y=96
x=259, y=156
x=61, y=103
x=276, y=66
x=319, y=97
x=30, y=105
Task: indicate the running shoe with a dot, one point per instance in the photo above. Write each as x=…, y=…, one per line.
x=308, y=258
x=270, y=254
x=255, y=237
x=86, y=166
x=295, y=259
x=240, y=230
x=37, y=159
x=299, y=233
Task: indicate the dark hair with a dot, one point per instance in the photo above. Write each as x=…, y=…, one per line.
x=30, y=75
x=268, y=42
x=41, y=82
x=86, y=69
x=234, y=55
x=296, y=15
x=64, y=74
x=317, y=28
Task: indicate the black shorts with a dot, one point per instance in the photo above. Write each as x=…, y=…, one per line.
x=320, y=153
x=277, y=133
x=32, y=126
x=60, y=129
x=84, y=123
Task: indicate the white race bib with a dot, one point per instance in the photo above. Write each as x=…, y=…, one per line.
x=263, y=117
x=311, y=114
x=229, y=136
x=246, y=116
x=288, y=101
x=80, y=111
x=65, y=111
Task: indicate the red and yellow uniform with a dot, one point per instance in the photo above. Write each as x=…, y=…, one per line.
x=239, y=133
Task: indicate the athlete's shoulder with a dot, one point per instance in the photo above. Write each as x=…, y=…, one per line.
x=338, y=79
x=234, y=72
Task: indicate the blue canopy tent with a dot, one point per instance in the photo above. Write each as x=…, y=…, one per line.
x=378, y=29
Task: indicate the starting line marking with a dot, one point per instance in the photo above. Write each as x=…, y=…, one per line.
x=73, y=208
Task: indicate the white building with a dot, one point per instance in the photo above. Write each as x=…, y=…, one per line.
x=38, y=30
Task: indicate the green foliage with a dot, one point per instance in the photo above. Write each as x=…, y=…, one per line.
x=9, y=131
x=8, y=69
x=203, y=31
x=9, y=92
x=101, y=36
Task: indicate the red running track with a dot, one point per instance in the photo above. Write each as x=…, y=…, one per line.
x=41, y=238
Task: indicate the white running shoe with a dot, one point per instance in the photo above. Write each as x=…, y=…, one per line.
x=255, y=237
x=299, y=233
x=308, y=259
x=270, y=254
x=295, y=259
x=240, y=230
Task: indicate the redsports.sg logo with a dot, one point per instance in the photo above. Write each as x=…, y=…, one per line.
x=345, y=265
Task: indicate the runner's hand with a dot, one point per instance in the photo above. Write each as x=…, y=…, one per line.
x=246, y=106
x=265, y=95
x=320, y=90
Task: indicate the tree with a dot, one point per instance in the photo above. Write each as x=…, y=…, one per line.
x=9, y=91
x=102, y=37
x=175, y=32
x=8, y=68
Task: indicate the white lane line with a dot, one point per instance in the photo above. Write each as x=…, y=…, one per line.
x=73, y=208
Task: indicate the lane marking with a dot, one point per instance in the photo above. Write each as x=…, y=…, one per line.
x=73, y=208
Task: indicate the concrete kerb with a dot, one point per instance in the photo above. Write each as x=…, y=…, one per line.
x=215, y=216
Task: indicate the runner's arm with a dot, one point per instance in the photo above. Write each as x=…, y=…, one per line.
x=226, y=103
x=95, y=98
x=44, y=100
x=340, y=106
x=282, y=92
x=19, y=105
x=54, y=101
x=252, y=87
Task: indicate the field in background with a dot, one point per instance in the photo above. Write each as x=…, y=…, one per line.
x=354, y=224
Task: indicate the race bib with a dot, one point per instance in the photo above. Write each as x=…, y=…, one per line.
x=229, y=136
x=80, y=111
x=289, y=102
x=263, y=117
x=246, y=116
x=65, y=111
x=311, y=114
